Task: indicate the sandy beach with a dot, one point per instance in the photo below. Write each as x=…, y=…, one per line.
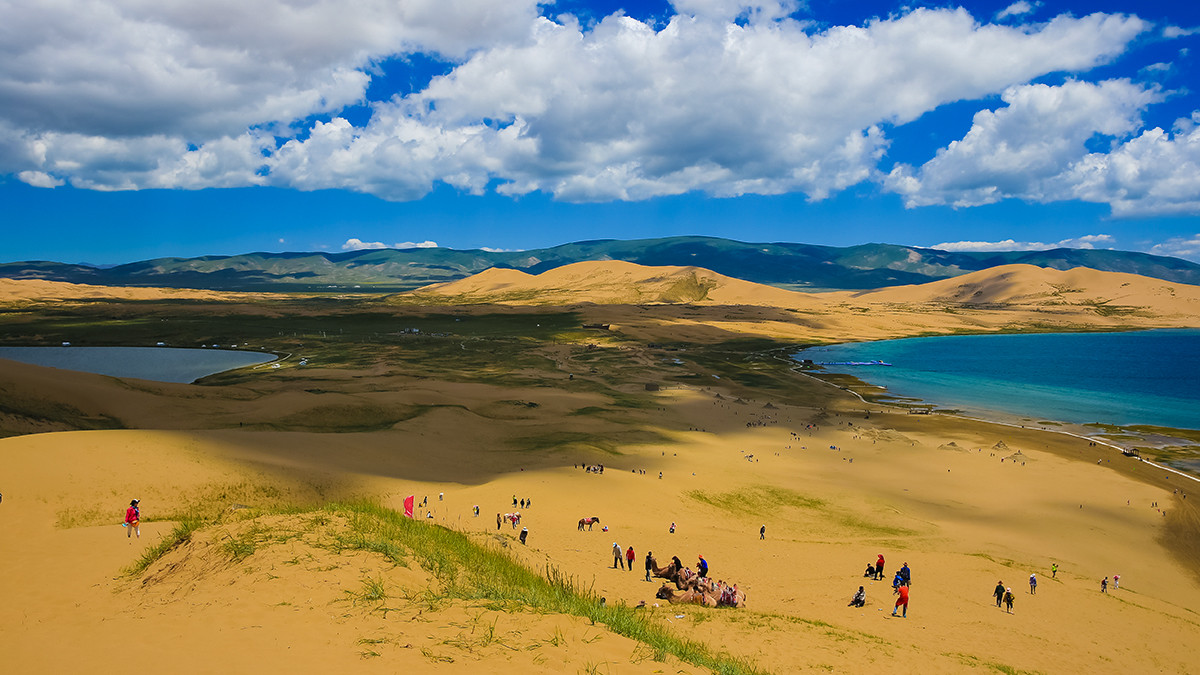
x=834, y=480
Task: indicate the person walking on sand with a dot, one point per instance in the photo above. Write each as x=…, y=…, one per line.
x=999, y=592
x=1008, y=600
x=524, y=534
x=133, y=518
x=672, y=528
x=1033, y=584
x=879, y=568
x=1053, y=570
x=762, y=532
x=498, y=521
x=901, y=601
x=649, y=564
x=629, y=556
x=1104, y=585
x=905, y=575
x=1116, y=581
x=618, y=556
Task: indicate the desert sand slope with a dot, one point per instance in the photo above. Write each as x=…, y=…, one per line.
x=28, y=290
x=964, y=504
x=612, y=282
x=1028, y=285
x=686, y=303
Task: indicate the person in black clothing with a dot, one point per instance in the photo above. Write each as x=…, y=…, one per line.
x=999, y=592
x=905, y=575
x=649, y=564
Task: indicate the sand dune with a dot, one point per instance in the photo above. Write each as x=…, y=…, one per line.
x=834, y=481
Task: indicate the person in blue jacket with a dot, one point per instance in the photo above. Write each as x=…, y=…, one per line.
x=703, y=567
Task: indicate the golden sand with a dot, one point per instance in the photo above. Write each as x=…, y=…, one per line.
x=963, y=503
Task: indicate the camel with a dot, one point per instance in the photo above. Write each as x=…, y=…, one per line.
x=670, y=572
x=588, y=521
x=692, y=597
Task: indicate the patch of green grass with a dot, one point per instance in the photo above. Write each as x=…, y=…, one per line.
x=468, y=571
x=179, y=536
x=80, y=517
x=976, y=662
x=754, y=500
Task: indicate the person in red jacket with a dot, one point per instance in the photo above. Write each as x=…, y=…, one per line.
x=879, y=567
x=629, y=556
x=901, y=601
x=133, y=516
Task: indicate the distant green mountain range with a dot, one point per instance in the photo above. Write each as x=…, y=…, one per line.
x=794, y=266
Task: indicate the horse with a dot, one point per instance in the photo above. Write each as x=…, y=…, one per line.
x=588, y=521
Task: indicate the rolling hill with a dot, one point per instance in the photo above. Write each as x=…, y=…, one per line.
x=786, y=265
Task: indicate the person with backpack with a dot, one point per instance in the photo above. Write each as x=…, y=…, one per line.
x=133, y=518
x=1008, y=600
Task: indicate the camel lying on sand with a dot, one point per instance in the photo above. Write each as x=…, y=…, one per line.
x=588, y=521
x=690, y=597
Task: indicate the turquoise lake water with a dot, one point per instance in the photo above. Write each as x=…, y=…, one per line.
x=1145, y=377
x=162, y=364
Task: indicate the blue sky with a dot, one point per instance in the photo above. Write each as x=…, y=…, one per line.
x=133, y=130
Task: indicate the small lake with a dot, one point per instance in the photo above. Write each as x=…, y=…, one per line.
x=1145, y=377
x=162, y=364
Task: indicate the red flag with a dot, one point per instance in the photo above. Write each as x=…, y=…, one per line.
x=408, y=505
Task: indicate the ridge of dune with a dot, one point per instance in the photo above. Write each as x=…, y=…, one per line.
x=33, y=290
x=613, y=282
x=1031, y=285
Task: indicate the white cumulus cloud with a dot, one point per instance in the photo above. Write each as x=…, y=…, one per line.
x=354, y=244
x=1029, y=149
x=626, y=111
x=1179, y=247
x=1087, y=241
x=729, y=97
x=1019, y=8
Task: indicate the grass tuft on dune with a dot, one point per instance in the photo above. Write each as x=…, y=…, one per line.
x=462, y=569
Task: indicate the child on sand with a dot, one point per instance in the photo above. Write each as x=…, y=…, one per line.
x=133, y=517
